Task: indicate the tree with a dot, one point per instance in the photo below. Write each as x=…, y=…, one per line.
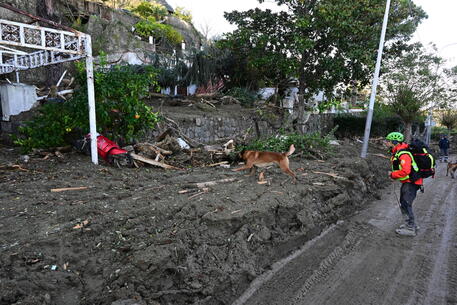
x=413, y=83
x=326, y=43
x=449, y=119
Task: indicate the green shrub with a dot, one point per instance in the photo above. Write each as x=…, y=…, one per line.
x=149, y=27
x=121, y=115
x=183, y=14
x=244, y=95
x=150, y=9
x=312, y=144
x=352, y=125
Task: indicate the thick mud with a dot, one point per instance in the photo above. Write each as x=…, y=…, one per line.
x=131, y=236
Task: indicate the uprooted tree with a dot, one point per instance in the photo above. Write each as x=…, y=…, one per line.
x=328, y=44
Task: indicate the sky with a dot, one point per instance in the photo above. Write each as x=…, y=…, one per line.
x=439, y=28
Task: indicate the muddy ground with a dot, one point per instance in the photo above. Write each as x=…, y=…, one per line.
x=130, y=237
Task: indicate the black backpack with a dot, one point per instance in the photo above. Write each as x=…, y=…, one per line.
x=423, y=157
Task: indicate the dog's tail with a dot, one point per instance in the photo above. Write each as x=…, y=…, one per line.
x=291, y=150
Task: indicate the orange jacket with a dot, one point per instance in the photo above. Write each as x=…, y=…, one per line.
x=405, y=165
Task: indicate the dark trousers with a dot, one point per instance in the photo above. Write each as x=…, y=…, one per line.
x=443, y=154
x=408, y=193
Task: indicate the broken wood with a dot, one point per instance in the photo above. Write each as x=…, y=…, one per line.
x=211, y=183
x=208, y=102
x=13, y=167
x=381, y=155
x=152, y=162
x=151, y=149
x=203, y=191
x=218, y=163
x=63, y=189
x=328, y=174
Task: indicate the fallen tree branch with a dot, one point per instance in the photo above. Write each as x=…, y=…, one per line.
x=145, y=147
x=176, y=128
x=380, y=155
x=12, y=167
x=63, y=189
x=218, y=163
x=211, y=183
x=152, y=162
x=328, y=174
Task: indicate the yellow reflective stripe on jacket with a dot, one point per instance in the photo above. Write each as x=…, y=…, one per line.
x=413, y=163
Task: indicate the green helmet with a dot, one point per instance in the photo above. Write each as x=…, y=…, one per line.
x=395, y=136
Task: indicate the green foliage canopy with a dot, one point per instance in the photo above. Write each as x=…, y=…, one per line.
x=324, y=43
x=146, y=9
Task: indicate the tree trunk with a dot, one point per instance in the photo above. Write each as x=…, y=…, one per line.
x=408, y=129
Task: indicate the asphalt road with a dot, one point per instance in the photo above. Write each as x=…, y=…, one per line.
x=361, y=260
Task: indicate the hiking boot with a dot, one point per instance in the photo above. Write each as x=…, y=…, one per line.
x=406, y=231
x=406, y=226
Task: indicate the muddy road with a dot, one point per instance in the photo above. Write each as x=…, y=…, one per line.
x=133, y=237
x=362, y=261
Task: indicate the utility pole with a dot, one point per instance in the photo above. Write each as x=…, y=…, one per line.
x=375, y=83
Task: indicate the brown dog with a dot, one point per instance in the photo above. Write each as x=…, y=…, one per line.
x=255, y=159
x=452, y=167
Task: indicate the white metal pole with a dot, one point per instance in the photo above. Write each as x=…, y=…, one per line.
x=375, y=83
x=91, y=99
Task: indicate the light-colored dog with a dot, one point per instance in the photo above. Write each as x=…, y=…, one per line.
x=254, y=159
x=451, y=167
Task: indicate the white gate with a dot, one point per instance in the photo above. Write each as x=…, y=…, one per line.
x=41, y=46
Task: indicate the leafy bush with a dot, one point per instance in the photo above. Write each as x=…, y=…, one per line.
x=149, y=27
x=244, y=95
x=150, y=9
x=308, y=144
x=328, y=104
x=183, y=14
x=384, y=121
x=121, y=115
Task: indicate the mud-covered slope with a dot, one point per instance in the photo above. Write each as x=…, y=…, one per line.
x=132, y=236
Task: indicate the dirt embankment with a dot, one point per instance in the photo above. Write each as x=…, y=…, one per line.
x=130, y=237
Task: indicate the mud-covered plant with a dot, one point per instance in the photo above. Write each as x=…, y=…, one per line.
x=312, y=144
x=121, y=114
x=244, y=95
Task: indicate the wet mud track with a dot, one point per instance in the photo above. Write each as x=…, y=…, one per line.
x=362, y=261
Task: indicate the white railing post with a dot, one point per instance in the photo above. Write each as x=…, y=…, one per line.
x=91, y=99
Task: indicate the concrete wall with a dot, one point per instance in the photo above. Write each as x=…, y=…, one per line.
x=16, y=98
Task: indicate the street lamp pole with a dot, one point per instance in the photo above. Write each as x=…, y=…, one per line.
x=375, y=83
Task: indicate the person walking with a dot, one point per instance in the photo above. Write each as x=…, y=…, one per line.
x=444, y=146
x=404, y=169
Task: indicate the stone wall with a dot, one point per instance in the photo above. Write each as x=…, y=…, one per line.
x=212, y=129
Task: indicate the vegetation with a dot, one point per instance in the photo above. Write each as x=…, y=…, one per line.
x=414, y=84
x=449, y=119
x=146, y=9
x=384, y=121
x=244, y=95
x=326, y=44
x=149, y=27
x=183, y=14
x=151, y=13
x=308, y=145
x=121, y=115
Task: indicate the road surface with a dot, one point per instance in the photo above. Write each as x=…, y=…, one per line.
x=362, y=261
